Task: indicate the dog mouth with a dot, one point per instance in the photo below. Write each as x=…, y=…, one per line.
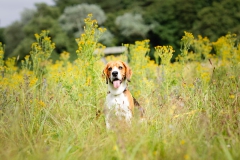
x=116, y=82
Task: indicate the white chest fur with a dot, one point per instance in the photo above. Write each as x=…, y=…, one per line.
x=117, y=108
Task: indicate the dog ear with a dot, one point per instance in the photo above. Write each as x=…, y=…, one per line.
x=128, y=72
x=105, y=73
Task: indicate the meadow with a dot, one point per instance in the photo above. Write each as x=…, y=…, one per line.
x=53, y=110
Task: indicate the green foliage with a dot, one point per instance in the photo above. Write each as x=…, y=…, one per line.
x=13, y=36
x=107, y=39
x=22, y=49
x=2, y=38
x=170, y=18
x=132, y=25
x=108, y=6
x=19, y=35
x=27, y=15
x=163, y=22
x=218, y=19
x=72, y=18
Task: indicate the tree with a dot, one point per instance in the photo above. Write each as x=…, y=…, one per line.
x=2, y=38
x=170, y=19
x=72, y=20
x=132, y=25
x=161, y=21
x=106, y=5
x=218, y=19
x=27, y=15
x=20, y=35
x=13, y=35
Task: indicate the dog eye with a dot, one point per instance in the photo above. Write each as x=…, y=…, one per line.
x=120, y=67
x=109, y=69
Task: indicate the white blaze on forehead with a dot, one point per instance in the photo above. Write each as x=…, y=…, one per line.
x=115, y=69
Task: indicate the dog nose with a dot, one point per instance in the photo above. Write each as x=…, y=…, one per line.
x=114, y=73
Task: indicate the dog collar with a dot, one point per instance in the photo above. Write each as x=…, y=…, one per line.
x=123, y=91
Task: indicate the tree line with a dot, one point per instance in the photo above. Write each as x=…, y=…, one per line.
x=162, y=22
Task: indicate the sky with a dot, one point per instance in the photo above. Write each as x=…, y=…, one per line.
x=10, y=10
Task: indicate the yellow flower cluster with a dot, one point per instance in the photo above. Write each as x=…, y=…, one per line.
x=41, y=51
x=165, y=53
x=202, y=47
x=11, y=65
x=187, y=39
x=88, y=41
x=141, y=65
x=226, y=48
x=186, y=42
x=41, y=104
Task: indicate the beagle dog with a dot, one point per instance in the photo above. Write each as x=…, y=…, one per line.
x=119, y=101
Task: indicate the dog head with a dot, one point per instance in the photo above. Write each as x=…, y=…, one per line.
x=117, y=72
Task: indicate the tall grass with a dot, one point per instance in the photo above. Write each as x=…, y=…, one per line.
x=192, y=105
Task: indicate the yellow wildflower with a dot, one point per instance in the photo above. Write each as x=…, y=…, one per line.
x=182, y=142
x=232, y=96
x=41, y=104
x=186, y=156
